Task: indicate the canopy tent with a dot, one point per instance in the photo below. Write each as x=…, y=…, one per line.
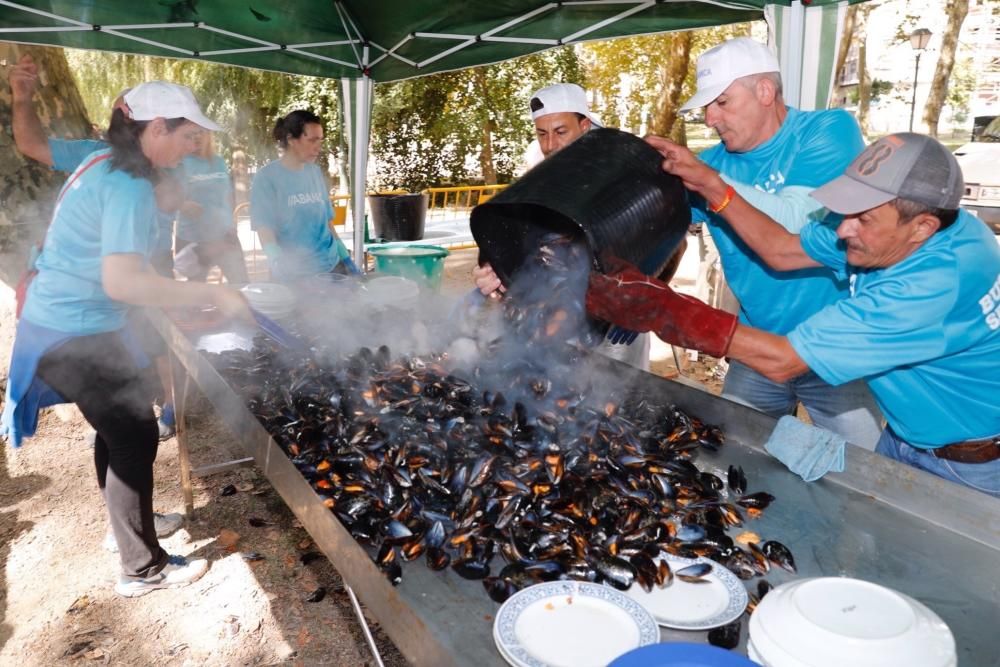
x=365, y=41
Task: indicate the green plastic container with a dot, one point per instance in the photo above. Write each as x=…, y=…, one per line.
x=423, y=264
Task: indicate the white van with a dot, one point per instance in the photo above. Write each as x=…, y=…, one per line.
x=980, y=162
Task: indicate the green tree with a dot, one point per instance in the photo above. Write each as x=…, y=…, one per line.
x=463, y=126
x=639, y=82
x=956, y=10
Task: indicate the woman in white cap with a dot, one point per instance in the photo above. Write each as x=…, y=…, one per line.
x=290, y=205
x=72, y=343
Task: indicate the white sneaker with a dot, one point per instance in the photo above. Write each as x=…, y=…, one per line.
x=166, y=524
x=178, y=572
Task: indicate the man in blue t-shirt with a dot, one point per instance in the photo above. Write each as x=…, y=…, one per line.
x=921, y=324
x=773, y=155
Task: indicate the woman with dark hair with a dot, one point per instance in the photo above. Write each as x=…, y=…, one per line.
x=290, y=204
x=72, y=342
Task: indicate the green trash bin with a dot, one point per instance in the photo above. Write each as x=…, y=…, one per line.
x=423, y=264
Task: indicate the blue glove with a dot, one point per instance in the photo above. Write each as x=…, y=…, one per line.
x=618, y=336
x=808, y=451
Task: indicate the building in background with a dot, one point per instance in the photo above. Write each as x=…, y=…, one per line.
x=891, y=61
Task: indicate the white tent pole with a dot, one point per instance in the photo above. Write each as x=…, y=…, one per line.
x=356, y=100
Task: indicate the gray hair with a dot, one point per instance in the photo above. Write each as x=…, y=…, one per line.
x=750, y=80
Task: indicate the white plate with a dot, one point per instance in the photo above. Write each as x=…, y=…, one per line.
x=702, y=606
x=570, y=624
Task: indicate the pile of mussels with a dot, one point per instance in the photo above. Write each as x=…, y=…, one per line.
x=553, y=480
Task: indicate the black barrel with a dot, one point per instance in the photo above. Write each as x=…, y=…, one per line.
x=607, y=184
x=399, y=217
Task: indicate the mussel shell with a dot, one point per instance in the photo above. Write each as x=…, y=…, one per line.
x=726, y=636
x=616, y=571
x=695, y=573
x=779, y=554
x=437, y=558
x=471, y=569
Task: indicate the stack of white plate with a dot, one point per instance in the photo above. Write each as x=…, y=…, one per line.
x=271, y=299
x=836, y=621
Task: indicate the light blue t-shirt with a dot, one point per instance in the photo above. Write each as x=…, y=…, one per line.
x=206, y=182
x=924, y=333
x=810, y=148
x=295, y=205
x=67, y=154
x=102, y=213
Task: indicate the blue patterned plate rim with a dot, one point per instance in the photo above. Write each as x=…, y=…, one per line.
x=506, y=618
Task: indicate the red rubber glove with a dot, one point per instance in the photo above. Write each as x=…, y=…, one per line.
x=633, y=300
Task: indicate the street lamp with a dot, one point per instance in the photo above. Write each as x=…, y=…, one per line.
x=919, y=39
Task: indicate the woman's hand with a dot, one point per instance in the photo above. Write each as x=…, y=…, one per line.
x=232, y=304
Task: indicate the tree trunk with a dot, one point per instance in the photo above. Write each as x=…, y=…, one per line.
x=864, y=82
x=486, y=155
x=486, y=166
x=957, y=11
x=846, y=39
x=28, y=188
x=673, y=69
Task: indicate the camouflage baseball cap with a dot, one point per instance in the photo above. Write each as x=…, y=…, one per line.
x=905, y=166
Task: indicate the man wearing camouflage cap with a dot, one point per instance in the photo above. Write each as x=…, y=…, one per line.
x=921, y=324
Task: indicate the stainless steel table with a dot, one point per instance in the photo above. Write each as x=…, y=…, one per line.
x=878, y=520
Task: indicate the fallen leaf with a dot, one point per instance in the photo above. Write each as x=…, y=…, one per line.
x=79, y=604
x=304, y=637
x=228, y=538
x=304, y=544
x=96, y=654
x=244, y=487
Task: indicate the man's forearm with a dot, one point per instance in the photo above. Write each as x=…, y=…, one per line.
x=769, y=354
x=778, y=247
x=29, y=135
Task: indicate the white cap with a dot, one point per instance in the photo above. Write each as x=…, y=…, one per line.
x=721, y=65
x=161, y=99
x=561, y=98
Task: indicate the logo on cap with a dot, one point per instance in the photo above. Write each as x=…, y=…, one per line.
x=873, y=162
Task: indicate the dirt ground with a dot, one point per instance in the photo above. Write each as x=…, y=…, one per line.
x=57, y=605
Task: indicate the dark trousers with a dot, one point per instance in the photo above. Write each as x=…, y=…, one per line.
x=99, y=374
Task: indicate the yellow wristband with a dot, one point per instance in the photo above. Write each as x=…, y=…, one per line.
x=717, y=208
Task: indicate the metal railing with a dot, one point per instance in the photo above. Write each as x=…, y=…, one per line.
x=459, y=198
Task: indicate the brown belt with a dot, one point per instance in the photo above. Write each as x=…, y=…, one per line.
x=970, y=451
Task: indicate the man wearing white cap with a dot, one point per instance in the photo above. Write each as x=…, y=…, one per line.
x=562, y=115
x=773, y=156
x=921, y=324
